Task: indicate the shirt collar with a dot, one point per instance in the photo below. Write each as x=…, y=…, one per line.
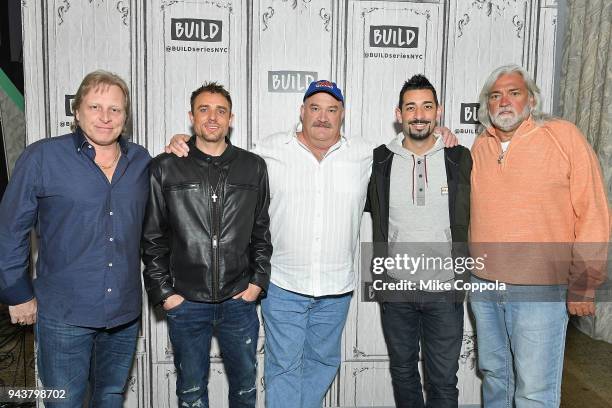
x=80, y=141
x=226, y=156
x=396, y=145
x=524, y=128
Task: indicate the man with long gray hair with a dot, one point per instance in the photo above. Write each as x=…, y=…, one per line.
x=537, y=190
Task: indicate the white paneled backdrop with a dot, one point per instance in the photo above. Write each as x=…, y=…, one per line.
x=266, y=52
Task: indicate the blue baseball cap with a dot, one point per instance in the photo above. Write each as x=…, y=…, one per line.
x=323, y=85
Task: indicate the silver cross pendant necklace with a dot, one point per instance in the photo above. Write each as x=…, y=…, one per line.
x=214, y=192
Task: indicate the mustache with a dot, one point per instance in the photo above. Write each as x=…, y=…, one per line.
x=322, y=124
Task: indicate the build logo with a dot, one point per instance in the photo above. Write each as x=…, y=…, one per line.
x=68, y=104
x=394, y=36
x=195, y=29
x=469, y=113
x=290, y=81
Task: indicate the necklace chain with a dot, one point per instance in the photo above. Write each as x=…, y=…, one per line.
x=109, y=166
x=213, y=191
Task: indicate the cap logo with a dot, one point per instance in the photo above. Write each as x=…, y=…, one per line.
x=326, y=84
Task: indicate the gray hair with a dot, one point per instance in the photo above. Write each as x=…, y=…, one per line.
x=536, y=112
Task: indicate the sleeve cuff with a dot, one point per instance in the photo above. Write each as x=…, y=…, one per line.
x=261, y=280
x=17, y=294
x=156, y=295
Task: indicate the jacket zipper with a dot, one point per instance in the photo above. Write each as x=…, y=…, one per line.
x=215, y=249
x=215, y=254
x=503, y=156
x=215, y=224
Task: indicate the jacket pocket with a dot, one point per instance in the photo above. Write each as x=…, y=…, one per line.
x=243, y=186
x=183, y=186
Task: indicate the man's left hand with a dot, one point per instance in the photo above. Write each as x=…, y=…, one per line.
x=449, y=138
x=178, y=145
x=24, y=313
x=581, y=308
x=250, y=294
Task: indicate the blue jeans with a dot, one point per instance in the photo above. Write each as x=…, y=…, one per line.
x=191, y=326
x=302, y=351
x=521, y=340
x=436, y=320
x=68, y=356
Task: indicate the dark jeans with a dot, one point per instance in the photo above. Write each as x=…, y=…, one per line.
x=236, y=325
x=69, y=356
x=435, y=320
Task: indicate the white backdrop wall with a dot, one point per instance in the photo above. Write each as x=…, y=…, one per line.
x=266, y=52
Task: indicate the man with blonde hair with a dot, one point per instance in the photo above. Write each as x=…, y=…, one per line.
x=85, y=192
x=538, y=205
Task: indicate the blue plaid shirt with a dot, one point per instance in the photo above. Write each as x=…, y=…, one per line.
x=88, y=268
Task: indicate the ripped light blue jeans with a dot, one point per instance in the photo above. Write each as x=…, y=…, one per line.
x=236, y=325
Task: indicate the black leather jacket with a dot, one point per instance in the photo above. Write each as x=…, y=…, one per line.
x=201, y=248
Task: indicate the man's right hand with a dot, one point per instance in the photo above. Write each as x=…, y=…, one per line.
x=173, y=301
x=178, y=145
x=24, y=313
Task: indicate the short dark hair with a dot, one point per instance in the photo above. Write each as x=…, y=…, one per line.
x=214, y=88
x=417, y=82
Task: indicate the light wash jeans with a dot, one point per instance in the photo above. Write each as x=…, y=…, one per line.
x=302, y=351
x=521, y=340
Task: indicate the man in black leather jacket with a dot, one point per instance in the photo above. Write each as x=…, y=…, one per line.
x=206, y=248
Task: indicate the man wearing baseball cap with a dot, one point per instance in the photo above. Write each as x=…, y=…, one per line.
x=321, y=178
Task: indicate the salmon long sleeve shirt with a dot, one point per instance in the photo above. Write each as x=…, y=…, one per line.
x=541, y=208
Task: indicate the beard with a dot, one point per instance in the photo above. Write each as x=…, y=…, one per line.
x=419, y=134
x=510, y=123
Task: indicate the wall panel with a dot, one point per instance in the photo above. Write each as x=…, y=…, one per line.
x=387, y=42
x=188, y=43
x=482, y=36
x=84, y=36
x=293, y=44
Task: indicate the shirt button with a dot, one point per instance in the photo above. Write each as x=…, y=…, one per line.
x=111, y=239
x=110, y=213
x=110, y=264
x=420, y=189
x=109, y=290
x=420, y=175
x=89, y=146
